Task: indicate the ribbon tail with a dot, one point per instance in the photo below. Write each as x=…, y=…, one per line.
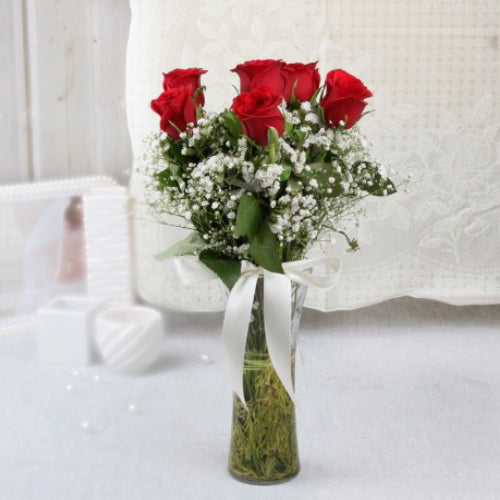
x=278, y=323
x=235, y=329
x=299, y=271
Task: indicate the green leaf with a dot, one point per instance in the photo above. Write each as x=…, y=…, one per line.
x=197, y=92
x=322, y=89
x=164, y=179
x=232, y=123
x=294, y=102
x=380, y=186
x=187, y=246
x=322, y=172
x=301, y=135
x=228, y=270
x=249, y=216
x=170, y=177
x=272, y=136
x=251, y=142
x=264, y=248
x=314, y=98
x=321, y=113
x=293, y=184
x=288, y=127
x=287, y=171
x=233, y=181
x=273, y=143
x=176, y=171
x=272, y=152
x=174, y=154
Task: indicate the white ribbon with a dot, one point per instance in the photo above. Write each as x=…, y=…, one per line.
x=277, y=311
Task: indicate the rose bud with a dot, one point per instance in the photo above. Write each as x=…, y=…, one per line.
x=190, y=77
x=307, y=78
x=258, y=110
x=261, y=72
x=175, y=106
x=344, y=99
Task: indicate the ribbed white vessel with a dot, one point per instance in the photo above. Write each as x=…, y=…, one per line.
x=129, y=338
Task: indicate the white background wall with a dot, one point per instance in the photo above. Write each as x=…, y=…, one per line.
x=62, y=87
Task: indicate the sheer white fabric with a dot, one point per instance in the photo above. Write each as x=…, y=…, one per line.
x=433, y=67
x=66, y=237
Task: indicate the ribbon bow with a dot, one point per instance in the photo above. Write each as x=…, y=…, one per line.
x=277, y=315
x=277, y=310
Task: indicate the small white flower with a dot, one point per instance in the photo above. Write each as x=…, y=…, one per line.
x=312, y=117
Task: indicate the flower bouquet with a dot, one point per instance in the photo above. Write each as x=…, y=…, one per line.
x=259, y=183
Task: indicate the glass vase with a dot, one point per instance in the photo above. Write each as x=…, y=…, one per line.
x=263, y=445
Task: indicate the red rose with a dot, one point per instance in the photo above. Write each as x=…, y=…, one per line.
x=175, y=105
x=190, y=77
x=345, y=96
x=258, y=110
x=261, y=72
x=306, y=76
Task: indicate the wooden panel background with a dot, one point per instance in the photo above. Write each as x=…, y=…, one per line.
x=62, y=81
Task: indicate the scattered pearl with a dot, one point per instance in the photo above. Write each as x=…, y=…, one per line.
x=205, y=358
x=69, y=387
x=76, y=373
x=133, y=409
x=97, y=378
x=85, y=426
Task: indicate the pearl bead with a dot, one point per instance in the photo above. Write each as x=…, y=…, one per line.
x=205, y=358
x=97, y=378
x=132, y=408
x=85, y=425
x=69, y=387
x=76, y=373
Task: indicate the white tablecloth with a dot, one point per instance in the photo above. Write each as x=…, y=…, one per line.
x=397, y=401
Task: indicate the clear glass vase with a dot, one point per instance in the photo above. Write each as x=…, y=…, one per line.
x=263, y=445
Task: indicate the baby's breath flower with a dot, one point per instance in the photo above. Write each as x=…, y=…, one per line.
x=312, y=117
x=205, y=185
